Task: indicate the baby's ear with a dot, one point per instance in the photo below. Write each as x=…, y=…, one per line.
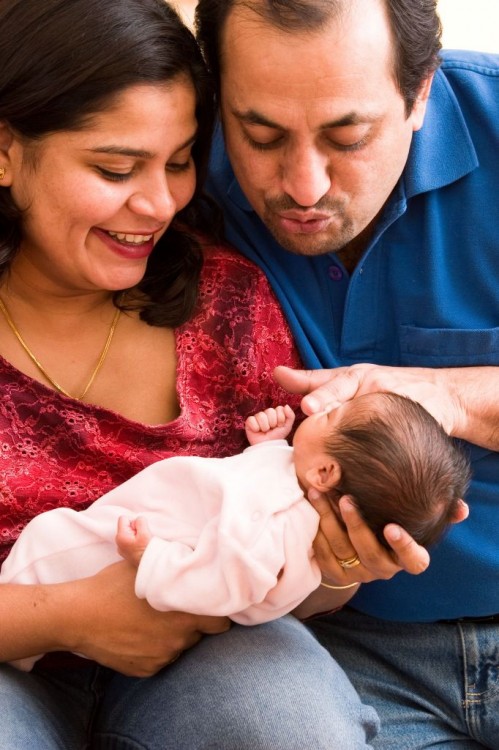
x=324, y=475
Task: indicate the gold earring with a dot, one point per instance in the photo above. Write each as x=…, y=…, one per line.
x=2, y=172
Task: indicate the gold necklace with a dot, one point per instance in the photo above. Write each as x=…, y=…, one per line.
x=41, y=368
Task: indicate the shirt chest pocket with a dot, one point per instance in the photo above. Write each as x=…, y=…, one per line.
x=442, y=347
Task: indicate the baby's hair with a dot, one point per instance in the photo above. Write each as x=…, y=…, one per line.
x=398, y=465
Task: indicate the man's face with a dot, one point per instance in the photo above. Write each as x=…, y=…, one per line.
x=315, y=127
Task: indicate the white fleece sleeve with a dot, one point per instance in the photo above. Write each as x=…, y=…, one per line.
x=253, y=559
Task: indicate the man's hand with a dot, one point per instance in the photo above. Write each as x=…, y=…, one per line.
x=434, y=389
x=464, y=400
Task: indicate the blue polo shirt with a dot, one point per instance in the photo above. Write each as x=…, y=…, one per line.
x=425, y=294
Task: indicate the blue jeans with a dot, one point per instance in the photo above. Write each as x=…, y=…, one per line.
x=434, y=685
x=269, y=686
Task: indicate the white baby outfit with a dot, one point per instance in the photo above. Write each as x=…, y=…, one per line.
x=232, y=536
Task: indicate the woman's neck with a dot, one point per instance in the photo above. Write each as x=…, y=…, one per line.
x=49, y=302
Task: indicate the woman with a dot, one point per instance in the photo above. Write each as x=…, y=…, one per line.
x=109, y=362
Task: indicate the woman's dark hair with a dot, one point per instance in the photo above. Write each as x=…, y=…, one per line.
x=415, y=27
x=62, y=61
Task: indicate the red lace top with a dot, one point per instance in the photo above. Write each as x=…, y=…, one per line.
x=56, y=451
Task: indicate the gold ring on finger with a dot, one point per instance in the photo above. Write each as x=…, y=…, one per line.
x=350, y=562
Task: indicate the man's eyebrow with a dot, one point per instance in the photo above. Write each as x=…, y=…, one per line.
x=252, y=117
x=136, y=152
x=352, y=118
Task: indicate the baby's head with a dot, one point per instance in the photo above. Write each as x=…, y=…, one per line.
x=391, y=457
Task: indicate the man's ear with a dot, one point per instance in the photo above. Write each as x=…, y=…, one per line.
x=324, y=475
x=419, y=107
x=6, y=143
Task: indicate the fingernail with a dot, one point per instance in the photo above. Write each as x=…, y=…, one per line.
x=394, y=533
x=345, y=503
x=313, y=404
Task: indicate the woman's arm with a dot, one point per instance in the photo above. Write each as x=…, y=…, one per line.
x=333, y=544
x=99, y=617
x=336, y=541
x=323, y=601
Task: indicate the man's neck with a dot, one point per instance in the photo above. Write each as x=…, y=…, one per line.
x=351, y=253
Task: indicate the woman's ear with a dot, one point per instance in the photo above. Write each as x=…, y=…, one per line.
x=6, y=143
x=324, y=475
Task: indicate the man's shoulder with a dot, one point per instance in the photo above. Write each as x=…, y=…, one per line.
x=473, y=79
x=463, y=101
x=472, y=75
x=482, y=63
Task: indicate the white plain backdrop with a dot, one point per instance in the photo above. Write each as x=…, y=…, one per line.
x=467, y=24
x=470, y=24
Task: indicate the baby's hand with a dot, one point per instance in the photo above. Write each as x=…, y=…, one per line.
x=132, y=538
x=271, y=424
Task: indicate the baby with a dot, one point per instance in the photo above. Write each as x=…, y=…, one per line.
x=233, y=536
x=393, y=459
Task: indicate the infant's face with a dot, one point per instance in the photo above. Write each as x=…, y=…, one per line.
x=309, y=441
x=316, y=428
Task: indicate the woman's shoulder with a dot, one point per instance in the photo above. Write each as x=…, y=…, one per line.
x=226, y=259
x=231, y=282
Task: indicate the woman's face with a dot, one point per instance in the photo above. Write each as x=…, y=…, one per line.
x=97, y=200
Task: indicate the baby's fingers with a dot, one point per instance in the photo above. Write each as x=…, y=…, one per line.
x=126, y=528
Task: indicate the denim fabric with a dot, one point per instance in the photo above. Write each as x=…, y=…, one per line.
x=47, y=711
x=434, y=685
x=266, y=687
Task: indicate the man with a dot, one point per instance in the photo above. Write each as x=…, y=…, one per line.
x=363, y=178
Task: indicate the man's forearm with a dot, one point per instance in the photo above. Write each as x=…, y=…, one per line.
x=475, y=391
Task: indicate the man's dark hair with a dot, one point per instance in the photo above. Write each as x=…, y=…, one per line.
x=399, y=466
x=63, y=61
x=415, y=27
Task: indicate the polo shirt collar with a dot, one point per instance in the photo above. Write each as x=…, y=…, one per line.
x=442, y=151
x=237, y=196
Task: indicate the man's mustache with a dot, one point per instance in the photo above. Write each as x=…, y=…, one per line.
x=286, y=203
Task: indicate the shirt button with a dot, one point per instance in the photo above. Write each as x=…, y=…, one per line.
x=335, y=273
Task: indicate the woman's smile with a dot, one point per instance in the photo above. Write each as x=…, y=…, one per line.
x=132, y=246
x=100, y=198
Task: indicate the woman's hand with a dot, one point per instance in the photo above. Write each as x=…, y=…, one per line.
x=104, y=621
x=336, y=542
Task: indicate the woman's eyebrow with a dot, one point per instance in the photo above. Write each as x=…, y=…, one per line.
x=136, y=152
